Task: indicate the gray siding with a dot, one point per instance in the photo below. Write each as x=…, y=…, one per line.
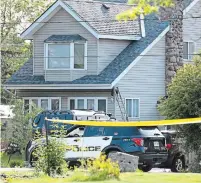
x=146, y=81
x=192, y=26
x=62, y=75
x=66, y=25
x=66, y=95
x=108, y=50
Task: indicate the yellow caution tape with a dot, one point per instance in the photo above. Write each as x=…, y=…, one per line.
x=130, y=123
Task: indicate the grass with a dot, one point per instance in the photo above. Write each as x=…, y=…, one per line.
x=15, y=157
x=125, y=178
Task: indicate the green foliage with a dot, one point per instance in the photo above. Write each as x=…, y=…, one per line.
x=124, y=178
x=50, y=159
x=14, y=164
x=184, y=101
x=99, y=169
x=19, y=130
x=13, y=158
x=144, y=7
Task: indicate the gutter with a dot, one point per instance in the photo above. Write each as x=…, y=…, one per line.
x=61, y=86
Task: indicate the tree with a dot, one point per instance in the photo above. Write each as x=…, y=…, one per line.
x=19, y=129
x=144, y=7
x=184, y=101
x=15, y=16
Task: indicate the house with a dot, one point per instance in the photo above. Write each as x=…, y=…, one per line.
x=81, y=54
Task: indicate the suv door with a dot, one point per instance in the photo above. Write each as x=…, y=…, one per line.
x=94, y=141
x=74, y=142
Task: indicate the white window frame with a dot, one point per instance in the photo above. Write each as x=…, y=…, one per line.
x=188, y=54
x=132, y=107
x=71, y=56
x=39, y=101
x=85, y=102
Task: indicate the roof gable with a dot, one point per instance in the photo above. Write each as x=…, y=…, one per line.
x=97, y=19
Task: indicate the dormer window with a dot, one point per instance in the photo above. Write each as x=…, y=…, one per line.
x=66, y=52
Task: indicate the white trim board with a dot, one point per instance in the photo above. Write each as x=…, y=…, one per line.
x=187, y=9
x=150, y=47
x=59, y=87
x=28, y=33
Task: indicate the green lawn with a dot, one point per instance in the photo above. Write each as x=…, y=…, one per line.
x=127, y=178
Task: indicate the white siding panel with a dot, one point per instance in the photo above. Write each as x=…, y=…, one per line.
x=146, y=81
x=108, y=50
x=64, y=24
x=192, y=27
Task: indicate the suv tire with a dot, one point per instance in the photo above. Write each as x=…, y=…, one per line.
x=146, y=168
x=178, y=165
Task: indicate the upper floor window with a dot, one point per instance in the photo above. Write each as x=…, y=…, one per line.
x=66, y=52
x=133, y=108
x=189, y=49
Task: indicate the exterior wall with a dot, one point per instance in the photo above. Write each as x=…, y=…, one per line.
x=146, y=81
x=65, y=95
x=108, y=50
x=65, y=25
x=192, y=27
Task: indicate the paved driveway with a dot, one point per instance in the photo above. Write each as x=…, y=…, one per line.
x=160, y=170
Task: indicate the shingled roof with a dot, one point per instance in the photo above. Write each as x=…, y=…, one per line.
x=153, y=27
x=102, y=17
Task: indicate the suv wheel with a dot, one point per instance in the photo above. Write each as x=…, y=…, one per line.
x=146, y=168
x=178, y=165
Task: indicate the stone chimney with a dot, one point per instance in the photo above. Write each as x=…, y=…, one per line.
x=174, y=41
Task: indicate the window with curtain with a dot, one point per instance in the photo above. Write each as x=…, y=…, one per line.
x=189, y=49
x=132, y=108
x=78, y=56
x=58, y=56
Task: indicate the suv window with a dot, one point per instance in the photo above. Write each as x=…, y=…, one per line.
x=121, y=131
x=93, y=131
x=149, y=131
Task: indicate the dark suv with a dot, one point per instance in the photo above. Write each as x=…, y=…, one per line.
x=176, y=159
x=88, y=142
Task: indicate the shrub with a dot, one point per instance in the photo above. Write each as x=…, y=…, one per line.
x=97, y=170
x=50, y=159
x=14, y=164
